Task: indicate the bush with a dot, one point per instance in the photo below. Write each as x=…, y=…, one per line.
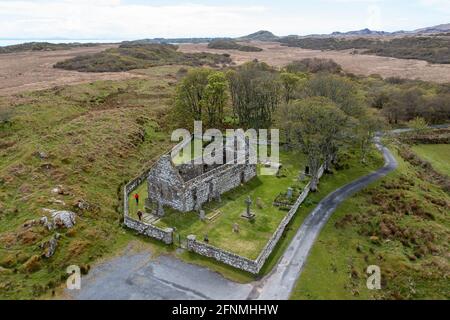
x=314, y=65
x=232, y=45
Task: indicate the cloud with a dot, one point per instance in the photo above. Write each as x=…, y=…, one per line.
x=132, y=19
x=113, y=19
x=438, y=5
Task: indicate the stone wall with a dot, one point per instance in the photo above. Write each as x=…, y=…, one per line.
x=239, y=262
x=267, y=251
x=221, y=255
x=149, y=230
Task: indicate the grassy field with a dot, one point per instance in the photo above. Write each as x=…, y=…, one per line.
x=90, y=139
x=437, y=154
x=252, y=236
x=400, y=224
x=351, y=169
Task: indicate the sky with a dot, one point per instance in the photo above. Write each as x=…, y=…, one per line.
x=137, y=19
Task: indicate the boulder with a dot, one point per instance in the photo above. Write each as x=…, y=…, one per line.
x=60, y=219
x=63, y=219
x=50, y=246
x=41, y=155
x=44, y=221
x=60, y=190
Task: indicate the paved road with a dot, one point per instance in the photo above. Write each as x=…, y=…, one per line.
x=279, y=284
x=137, y=276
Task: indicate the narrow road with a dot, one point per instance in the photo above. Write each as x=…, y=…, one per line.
x=279, y=284
x=137, y=276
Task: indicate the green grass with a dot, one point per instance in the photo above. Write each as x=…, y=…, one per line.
x=411, y=266
x=328, y=183
x=97, y=136
x=437, y=154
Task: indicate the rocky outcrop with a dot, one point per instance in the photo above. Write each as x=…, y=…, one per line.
x=59, y=219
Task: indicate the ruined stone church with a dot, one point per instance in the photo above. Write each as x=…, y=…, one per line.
x=187, y=186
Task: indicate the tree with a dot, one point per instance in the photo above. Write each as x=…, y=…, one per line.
x=215, y=99
x=290, y=82
x=283, y=121
x=190, y=94
x=338, y=89
x=418, y=124
x=317, y=125
x=255, y=94
x=201, y=95
x=366, y=129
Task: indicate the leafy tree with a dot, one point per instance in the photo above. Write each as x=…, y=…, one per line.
x=365, y=132
x=290, y=82
x=255, y=94
x=215, y=99
x=284, y=122
x=418, y=124
x=342, y=91
x=317, y=126
x=190, y=94
x=201, y=95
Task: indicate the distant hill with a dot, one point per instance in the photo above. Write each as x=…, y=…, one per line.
x=442, y=28
x=363, y=32
x=44, y=46
x=262, y=35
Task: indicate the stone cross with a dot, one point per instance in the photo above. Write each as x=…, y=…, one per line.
x=202, y=215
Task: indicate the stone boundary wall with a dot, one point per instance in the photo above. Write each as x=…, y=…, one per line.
x=265, y=253
x=218, y=254
x=146, y=229
x=149, y=230
x=239, y=262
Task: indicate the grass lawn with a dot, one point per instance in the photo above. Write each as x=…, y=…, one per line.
x=437, y=154
x=358, y=234
x=253, y=236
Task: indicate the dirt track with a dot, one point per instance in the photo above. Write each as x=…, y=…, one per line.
x=277, y=55
x=34, y=70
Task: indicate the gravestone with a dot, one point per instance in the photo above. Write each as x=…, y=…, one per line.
x=259, y=203
x=202, y=215
x=289, y=193
x=302, y=176
x=235, y=228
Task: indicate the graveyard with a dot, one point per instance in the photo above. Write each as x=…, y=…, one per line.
x=223, y=223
